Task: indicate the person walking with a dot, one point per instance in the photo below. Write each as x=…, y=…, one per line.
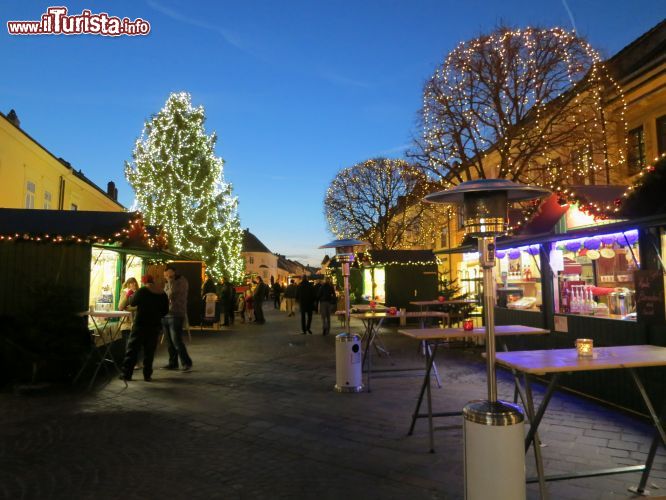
x=290, y=297
x=306, y=299
x=176, y=288
x=228, y=297
x=151, y=306
x=277, y=290
x=260, y=293
x=130, y=287
x=316, y=287
x=327, y=304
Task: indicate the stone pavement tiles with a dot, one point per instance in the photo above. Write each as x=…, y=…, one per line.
x=258, y=418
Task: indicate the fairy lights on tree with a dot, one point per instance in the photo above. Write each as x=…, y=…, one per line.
x=525, y=105
x=379, y=201
x=179, y=184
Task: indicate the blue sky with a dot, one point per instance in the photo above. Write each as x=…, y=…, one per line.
x=295, y=90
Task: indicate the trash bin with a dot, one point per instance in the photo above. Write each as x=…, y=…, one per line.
x=348, y=366
x=494, y=447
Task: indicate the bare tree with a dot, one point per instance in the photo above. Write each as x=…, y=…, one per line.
x=380, y=201
x=525, y=105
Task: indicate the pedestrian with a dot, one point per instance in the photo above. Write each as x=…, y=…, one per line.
x=176, y=288
x=290, y=297
x=316, y=287
x=277, y=290
x=151, y=306
x=306, y=299
x=327, y=304
x=130, y=287
x=228, y=297
x=260, y=293
x=249, y=305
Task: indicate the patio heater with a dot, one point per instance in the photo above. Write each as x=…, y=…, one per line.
x=493, y=429
x=348, y=357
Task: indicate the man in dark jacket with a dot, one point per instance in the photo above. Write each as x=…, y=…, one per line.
x=176, y=288
x=151, y=306
x=228, y=297
x=305, y=295
x=277, y=290
x=260, y=292
x=290, y=297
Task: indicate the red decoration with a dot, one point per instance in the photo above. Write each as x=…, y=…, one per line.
x=373, y=304
x=392, y=311
x=441, y=298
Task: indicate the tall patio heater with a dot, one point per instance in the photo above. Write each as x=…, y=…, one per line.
x=348, y=357
x=493, y=429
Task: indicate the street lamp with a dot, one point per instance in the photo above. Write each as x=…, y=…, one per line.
x=348, y=346
x=493, y=430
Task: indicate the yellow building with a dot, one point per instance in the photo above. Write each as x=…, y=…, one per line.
x=33, y=177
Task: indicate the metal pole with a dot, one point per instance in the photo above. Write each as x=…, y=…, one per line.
x=345, y=274
x=486, y=246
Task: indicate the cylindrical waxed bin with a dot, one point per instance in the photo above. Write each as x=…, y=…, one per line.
x=348, y=366
x=494, y=435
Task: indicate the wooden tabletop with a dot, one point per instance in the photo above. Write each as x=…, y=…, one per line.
x=106, y=314
x=567, y=360
x=398, y=314
x=451, y=333
x=421, y=303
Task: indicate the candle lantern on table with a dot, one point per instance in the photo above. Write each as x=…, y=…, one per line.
x=493, y=430
x=348, y=358
x=585, y=348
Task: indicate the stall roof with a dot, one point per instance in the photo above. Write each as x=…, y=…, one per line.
x=379, y=257
x=612, y=227
x=84, y=225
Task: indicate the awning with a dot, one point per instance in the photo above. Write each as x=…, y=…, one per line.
x=146, y=253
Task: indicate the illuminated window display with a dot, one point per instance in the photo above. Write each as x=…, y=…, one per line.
x=379, y=293
x=519, y=278
x=595, y=275
x=103, y=279
x=133, y=268
x=469, y=275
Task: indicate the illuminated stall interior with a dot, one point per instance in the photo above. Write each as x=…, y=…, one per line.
x=468, y=275
x=519, y=278
x=595, y=275
x=374, y=284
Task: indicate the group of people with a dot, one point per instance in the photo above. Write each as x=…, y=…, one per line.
x=320, y=297
x=155, y=310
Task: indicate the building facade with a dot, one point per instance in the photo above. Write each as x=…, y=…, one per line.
x=33, y=177
x=259, y=260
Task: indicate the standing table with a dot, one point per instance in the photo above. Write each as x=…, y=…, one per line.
x=436, y=336
x=106, y=334
x=373, y=322
x=557, y=361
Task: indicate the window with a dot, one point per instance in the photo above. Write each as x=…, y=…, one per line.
x=47, y=200
x=251, y=259
x=461, y=220
x=444, y=242
x=582, y=166
x=74, y=207
x=30, y=194
x=636, y=151
x=661, y=135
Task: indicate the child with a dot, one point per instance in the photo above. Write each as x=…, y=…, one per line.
x=249, y=306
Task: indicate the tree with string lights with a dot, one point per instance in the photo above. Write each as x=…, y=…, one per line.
x=525, y=105
x=179, y=184
x=380, y=201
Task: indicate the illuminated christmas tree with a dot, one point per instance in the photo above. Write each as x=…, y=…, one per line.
x=179, y=184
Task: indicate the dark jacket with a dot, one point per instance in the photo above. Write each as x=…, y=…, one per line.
x=305, y=294
x=290, y=291
x=326, y=293
x=260, y=292
x=228, y=295
x=151, y=307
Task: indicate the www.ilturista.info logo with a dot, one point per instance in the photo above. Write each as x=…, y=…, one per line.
x=56, y=21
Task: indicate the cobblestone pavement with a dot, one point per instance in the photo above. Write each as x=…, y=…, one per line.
x=258, y=418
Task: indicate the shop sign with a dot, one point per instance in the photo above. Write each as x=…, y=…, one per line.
x=650, y=296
